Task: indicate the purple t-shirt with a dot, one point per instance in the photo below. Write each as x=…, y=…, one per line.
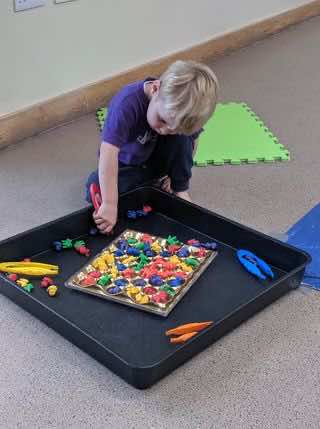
x=126, y=125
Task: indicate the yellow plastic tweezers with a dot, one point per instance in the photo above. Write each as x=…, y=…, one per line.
x=29, y=268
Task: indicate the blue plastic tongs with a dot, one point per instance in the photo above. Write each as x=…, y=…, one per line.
x=254, y=265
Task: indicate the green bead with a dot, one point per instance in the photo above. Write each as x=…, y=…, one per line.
x=166, y=288
x=144, y=259
x=66, y=244
x=78, y=243
x=172, y=239
x=29, y=287
x=192, y=262
x=132, y=241
x=139, y=245
x=104, y=280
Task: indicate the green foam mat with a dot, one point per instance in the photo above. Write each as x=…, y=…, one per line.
x=234, y=135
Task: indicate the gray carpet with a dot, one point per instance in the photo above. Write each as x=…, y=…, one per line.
x=265, y=374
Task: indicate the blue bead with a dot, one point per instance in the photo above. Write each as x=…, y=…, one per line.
x=150, y=253
x=209, y=246
x=57, y=245
x=183, y=252
x=114, y=290
x=156, y=280
x=165, y=253
x=118, y=253
x=139, y=282
x=121, y=267
x=121, y=282
x=122, y=245
x=141, y=213
x=131, y=214
x=133, y=251
x=177, y=281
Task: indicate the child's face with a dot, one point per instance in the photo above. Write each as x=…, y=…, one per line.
x=157, y=117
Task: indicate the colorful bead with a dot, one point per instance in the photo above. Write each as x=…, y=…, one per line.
x=160, y=298
x=133, y=251
x=183, y=252
x=156, y=280
x=132, y=241
x=121, y=282
x=45, y=282
x=192, y=262
x=141, y=298
x=29, y=287
x=146, y=238
x=66, y=244
x=149, y=290
x=22, y=282
x=121, y=267
x=173, y=248
x=118, y=253
x=139, y=282
x=104, y=280
x=114, y=290
x=88, y=281
x=13, y=277
x=209, y=246
x=170, y=291
x=193, y=242
x=95, y=274
x=129, y=273
x=57, y=246
x=52, y=290
x=172, y=239
x=177, y=281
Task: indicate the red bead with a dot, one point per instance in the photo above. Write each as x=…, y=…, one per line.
x=95, y=274
x=48, y=280
x=146, y=238
x=173, y=248
x=13, y=277
x=147, y=209
x=128, y=273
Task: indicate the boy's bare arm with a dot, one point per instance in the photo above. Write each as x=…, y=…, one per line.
x=106, y=216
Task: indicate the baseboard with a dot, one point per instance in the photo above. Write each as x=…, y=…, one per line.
x=56, y=111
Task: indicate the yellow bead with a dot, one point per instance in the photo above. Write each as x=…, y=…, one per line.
x=142, y=298
x=52, y=290
x=174, y=259
x=22, y=282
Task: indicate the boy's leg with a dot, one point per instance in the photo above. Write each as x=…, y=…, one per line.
x=173, y=157
x=128, y=179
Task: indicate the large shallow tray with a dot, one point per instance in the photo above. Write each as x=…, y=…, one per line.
x=132, y=343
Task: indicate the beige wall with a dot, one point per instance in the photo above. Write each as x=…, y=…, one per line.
x=53, y=49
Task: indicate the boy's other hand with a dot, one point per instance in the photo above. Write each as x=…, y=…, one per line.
x=106, y=218
x=166, y=184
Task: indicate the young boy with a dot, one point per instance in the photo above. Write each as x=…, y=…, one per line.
x=150, y=133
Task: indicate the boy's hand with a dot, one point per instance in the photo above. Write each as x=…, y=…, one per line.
x=184, y=194
x=106, y=217
x=166, y=184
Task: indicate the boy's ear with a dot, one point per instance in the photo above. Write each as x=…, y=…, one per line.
x=155, y=86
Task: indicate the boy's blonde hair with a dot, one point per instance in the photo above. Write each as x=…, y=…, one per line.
x=189, y=92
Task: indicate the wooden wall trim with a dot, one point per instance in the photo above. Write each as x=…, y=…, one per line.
x=56, y=111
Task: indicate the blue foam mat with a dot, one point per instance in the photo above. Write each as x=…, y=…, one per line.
x=305, y=235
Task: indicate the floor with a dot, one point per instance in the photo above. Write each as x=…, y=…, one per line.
x=266, y=373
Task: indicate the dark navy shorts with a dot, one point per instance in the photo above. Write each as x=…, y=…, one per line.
x=172, y=156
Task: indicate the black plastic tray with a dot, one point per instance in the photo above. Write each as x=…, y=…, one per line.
x=132, y=343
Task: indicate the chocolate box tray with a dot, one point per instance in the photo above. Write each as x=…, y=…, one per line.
x=132, y=343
